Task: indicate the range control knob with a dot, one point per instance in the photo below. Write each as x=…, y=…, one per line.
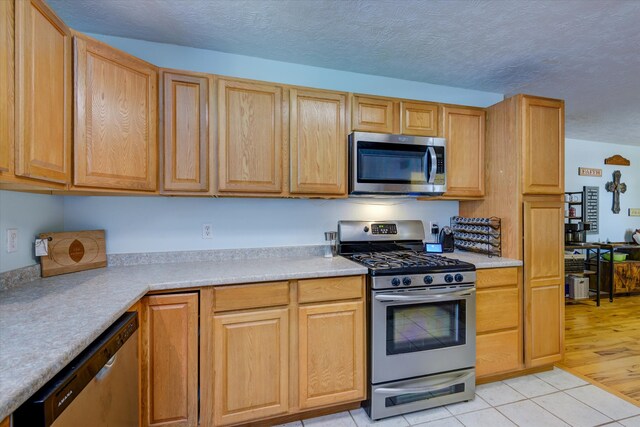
x=406, y=281
x=395, y=281
x=448, y=278
x=459, y=277
x=428, y=280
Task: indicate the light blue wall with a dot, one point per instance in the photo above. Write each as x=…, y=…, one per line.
x=591, y=154
x=137, y=224
x=186, y=58
x=31, y=214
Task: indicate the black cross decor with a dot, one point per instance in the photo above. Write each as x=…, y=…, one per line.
x=616, y=187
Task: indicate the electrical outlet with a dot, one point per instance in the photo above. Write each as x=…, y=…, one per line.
x=12, y=240
x=207, y=231
x=433, y=227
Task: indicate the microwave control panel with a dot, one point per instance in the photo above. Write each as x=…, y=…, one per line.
x=384, y=229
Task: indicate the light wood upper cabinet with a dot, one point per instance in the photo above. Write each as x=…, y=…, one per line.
x=464, y=130
x=43, y=92
x=251, y=365
x=6, y=86
x=331, y=343
x=116, y=144
x=250, y=137
x=318, y=141
x=418, y=118
x=185, y=132
x=542, y=145
x=372, y=114
x=170, y=360
x=544, y=281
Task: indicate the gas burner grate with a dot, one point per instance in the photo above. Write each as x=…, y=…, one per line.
x=402, y=259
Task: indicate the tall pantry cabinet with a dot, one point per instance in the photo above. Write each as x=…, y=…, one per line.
x=527, y=195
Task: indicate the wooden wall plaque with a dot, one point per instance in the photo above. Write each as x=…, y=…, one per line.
x=617, y=160
x=73, y=251
x=589, y=171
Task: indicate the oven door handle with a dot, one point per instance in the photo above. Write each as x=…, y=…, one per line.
x=423, y=297
x=389, y=391
x=434, y=165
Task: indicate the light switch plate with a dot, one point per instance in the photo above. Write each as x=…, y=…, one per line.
x=12, y=240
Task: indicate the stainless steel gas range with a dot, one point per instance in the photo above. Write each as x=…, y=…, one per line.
x=422, y=318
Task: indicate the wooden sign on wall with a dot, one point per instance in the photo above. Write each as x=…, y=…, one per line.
x=589, y=172
x=617, y=160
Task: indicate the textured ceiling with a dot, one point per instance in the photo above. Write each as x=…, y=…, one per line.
x=584, y=51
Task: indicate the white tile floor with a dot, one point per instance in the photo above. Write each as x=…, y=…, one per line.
x=547, y=399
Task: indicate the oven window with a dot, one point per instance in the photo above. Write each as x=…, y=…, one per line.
x=403, y=399
x=428, y=326
x=392, y=163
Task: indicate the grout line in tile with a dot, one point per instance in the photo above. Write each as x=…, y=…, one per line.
x=545, y=409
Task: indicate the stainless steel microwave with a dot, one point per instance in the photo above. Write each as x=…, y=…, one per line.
x=382, y=164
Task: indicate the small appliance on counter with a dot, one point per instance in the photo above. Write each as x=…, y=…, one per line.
x=446, y=239
x=422, y=318
x=576, y=232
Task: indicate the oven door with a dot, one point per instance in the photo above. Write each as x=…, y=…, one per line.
x=417, y=332
x=396, y=164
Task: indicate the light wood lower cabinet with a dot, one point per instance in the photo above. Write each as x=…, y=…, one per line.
x=331, y=353
x=304, y=351
x=498, y=321
x=116, y=119
x=543, y=280
x=251, y=365
x=170, y=360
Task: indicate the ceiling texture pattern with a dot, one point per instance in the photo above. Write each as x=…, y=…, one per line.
x=586, y=52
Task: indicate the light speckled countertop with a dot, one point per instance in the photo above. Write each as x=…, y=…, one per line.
x=483, y=261
x=44, y=324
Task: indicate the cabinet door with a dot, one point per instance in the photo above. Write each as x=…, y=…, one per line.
x=43, y=93
x=544, y=282
x=170, y=360
x=115, y=144
x=418, y=118
x=318, y=141
x=331, y=353
x=464, y=131
x=543, y=145
x=185, y=132
x=372, y=114
x=251, y=362
x=250, y=140
x=6, y=86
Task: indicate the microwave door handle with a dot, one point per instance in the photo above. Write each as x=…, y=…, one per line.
x=422, y=297
x=434, y=165
x=395, y=391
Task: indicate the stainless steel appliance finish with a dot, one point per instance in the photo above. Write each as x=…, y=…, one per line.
x=383, y=164
x=422, y=318
x=99, y=388
x=422, y=331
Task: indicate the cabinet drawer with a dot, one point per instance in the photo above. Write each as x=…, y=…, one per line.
x=493, y=277
x=498, y=352
x=330, y=289
x=256, y=295
x=497, y=309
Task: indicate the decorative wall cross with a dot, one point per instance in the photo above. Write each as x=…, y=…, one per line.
x=616, y=187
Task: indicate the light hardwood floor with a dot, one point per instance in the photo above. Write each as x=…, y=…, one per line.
x=603, y=343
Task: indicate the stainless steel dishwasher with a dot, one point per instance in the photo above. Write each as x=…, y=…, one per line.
x=99, y=388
